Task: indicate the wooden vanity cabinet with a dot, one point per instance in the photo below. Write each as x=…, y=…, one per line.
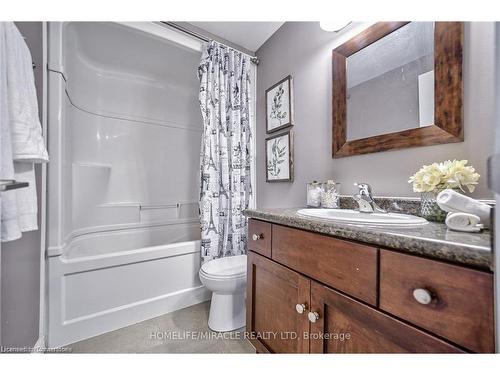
x=312, y=301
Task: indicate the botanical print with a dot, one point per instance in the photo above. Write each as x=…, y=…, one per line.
x=225, y=188
x=279, y=106
x=278, y=158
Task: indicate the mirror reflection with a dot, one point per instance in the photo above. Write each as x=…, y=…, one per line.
x=390, y=83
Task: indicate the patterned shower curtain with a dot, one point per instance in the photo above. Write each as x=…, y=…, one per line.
x=225, y=187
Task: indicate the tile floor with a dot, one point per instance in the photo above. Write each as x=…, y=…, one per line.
x=152, y=336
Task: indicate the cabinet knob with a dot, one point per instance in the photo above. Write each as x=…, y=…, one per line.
x=257, y=237
x=313, y=316
x=422, y=296
x=301, y=307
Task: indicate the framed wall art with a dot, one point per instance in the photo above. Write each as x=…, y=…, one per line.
x=279, y=105
x=279, y=157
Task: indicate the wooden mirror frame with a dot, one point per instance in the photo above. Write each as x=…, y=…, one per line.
x=448, y=93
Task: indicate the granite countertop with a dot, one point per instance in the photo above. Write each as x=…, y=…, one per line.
x=433, y=240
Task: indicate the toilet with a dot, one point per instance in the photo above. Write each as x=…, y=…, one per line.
x=226, y=278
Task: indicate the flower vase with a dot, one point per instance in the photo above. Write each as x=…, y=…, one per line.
x=429, y=209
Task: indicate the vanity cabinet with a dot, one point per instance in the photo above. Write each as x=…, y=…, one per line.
x=311, y=293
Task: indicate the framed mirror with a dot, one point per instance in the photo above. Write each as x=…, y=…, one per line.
x=397, y=85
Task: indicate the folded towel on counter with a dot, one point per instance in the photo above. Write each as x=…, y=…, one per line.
x=451, y=201
x=463, y=222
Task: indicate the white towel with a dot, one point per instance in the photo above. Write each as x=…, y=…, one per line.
x=451, y=201
x=10, y=226
x=19, y=207
x=26, y=131
x=463, y=222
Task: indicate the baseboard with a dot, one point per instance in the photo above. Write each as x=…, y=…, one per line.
x=69, y=332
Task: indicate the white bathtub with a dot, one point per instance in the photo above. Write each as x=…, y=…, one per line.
x=109, y=280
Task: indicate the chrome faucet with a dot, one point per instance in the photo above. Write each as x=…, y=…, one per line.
x=365, y=199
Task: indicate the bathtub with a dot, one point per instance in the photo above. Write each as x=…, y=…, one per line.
x=105, y=281
x=124, y=134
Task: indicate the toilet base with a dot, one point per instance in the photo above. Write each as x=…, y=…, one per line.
x=227, y=312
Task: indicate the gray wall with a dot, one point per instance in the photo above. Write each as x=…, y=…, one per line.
x=20, y=259
x=303, y=50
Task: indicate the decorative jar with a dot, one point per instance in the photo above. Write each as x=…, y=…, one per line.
x=330, y=194
x=314, y=194
x=429, y=208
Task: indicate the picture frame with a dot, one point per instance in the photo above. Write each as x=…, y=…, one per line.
x=279, y=157
x=279, y=105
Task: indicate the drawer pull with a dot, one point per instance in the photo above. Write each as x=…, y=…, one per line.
x=422, y=296
x=257, y=237
x=301, y=308
x=313, y=316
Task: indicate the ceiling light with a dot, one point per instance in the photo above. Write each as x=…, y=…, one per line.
x=335, y=26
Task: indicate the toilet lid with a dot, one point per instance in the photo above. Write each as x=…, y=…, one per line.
x=226, y=267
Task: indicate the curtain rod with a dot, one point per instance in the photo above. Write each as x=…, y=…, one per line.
x=253, y=59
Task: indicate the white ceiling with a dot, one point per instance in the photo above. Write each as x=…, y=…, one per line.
x=250, y=35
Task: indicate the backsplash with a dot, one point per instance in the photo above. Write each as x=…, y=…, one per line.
x=409, y=206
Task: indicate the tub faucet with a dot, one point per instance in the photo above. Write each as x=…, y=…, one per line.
x=365, y=199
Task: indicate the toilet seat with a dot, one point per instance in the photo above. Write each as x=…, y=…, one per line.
x=225, y=268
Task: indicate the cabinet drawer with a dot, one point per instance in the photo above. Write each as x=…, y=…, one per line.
x=348, y=326
x=460, y=307
x=262, y=243
x=347, y=266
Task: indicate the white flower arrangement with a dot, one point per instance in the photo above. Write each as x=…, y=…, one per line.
x=449, y=174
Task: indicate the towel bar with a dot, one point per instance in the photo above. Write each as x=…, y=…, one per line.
x=6, y=185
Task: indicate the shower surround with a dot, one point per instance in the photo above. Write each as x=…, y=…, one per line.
x=124, y=134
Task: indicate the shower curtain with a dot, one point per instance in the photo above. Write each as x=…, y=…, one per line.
x=225, y=183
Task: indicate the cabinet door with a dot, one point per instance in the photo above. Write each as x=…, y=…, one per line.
x=273, y=293
x=344, y=325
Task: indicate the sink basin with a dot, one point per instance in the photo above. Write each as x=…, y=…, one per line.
x=356, y=217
